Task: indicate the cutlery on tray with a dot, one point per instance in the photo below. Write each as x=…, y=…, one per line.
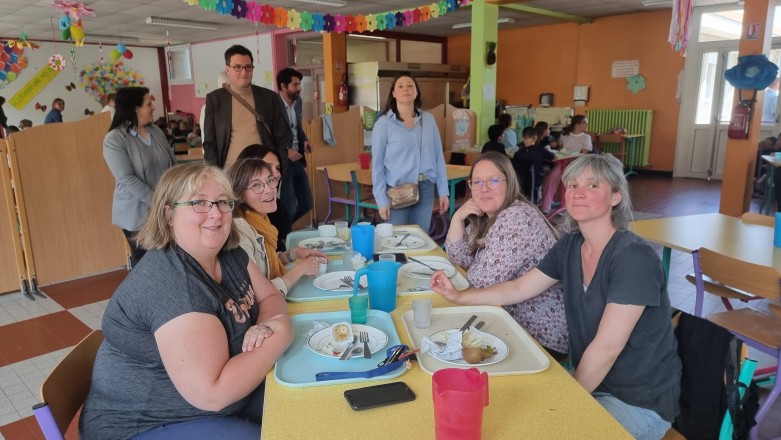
x=402, y=239
x=420, y=262
x=469, y=322
x=364, y=337
x=479, y=325
x=349, y=348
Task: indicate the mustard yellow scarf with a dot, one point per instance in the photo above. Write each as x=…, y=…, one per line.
x=262, y=224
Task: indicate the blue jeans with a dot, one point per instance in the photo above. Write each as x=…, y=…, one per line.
x=296, y=195
x=420, y=213
x=205, y=428
x=642, y=423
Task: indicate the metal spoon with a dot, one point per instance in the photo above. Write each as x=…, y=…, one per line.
x=402, y=239
x=356, y=351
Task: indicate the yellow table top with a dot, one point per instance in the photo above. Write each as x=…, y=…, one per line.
x=718, y=232
x=550, y=405
x=195, y=154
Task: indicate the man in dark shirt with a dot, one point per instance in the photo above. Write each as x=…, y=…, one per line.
x=531, y=155
x=494, y=140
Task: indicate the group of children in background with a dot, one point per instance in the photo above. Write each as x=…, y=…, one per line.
x=533, y=156
x=181, y=131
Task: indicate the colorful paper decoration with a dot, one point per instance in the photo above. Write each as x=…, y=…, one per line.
x=100, y=79
x=12, y=59
x=57, y=62
x=318, y=22
x=38, y=82
x=635, y=83
x=71, y=26
x=680, y=25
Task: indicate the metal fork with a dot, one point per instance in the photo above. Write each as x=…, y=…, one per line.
x=348, y=280
x=364, y=337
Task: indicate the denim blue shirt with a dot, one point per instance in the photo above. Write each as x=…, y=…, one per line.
x=397, y=156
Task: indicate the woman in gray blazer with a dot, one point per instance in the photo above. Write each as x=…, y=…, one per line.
x=137, y=153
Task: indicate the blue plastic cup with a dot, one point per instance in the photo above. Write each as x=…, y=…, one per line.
x=363, y=240
x=777, y=231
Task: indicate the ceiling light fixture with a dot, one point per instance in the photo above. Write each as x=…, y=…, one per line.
x=188, y=24
x=97, y=38
x=365, y=37
x=651, y=3
x=500, y=21
x=333, y=3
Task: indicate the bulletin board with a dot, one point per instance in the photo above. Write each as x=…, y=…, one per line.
x=208, y=59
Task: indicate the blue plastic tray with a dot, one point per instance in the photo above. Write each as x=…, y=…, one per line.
x=298, y=365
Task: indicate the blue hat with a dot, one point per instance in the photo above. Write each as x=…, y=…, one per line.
x=752, y=72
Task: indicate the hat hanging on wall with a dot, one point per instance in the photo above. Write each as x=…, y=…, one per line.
x=752, y=72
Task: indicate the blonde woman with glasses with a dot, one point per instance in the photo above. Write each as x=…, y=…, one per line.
x=255, y=183
x=497, y=235
x=193, y=330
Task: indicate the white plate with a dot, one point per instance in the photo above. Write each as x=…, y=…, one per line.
x=332, y=281
x=421, y=272
x=501, y=349
x=322, y=243
x=411, y=242
x=322, y=343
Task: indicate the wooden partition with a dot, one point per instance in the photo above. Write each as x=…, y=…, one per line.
x=11, y=258
x=348, y=133
x=64, y=192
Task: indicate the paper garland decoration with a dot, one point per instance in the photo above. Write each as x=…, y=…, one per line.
x=12, y=60
x=680, y=25
x=71, y=27
x=100, y=79
x=317, y=22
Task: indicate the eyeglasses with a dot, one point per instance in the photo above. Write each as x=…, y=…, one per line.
x=258, y=187
x=204, y=206
x=247, y=68
x=493, y=183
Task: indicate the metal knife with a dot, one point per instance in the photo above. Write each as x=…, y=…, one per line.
x=479, y=325
x=468, y=323
x=347, y=351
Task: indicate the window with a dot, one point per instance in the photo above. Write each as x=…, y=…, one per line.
x=178, y=60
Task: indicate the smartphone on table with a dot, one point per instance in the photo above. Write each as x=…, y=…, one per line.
x=379, y=395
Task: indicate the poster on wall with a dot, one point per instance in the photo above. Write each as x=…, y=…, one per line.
x=625, y=69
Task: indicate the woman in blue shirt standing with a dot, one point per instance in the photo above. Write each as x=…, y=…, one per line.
x=406, y=148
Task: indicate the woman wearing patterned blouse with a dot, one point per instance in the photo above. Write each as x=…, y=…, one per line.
x=505, y=236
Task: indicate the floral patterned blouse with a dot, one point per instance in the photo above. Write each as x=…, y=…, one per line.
x=516, y=243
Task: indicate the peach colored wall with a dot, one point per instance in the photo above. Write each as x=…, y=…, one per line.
x=556, y=57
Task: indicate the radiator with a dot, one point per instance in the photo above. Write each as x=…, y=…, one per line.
x=634, y=121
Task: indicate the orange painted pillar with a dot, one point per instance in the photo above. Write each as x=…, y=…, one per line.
x=335, y=54
x=741, y=154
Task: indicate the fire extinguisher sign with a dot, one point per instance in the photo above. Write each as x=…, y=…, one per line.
x=752, y=31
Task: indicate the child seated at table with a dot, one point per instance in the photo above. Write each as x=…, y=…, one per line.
x=531, y=158
x=495, y=138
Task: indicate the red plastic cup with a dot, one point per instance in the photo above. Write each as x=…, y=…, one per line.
x=365, y=159
x=459, y=399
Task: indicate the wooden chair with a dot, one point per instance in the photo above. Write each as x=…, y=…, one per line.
x=619, y=151
x=181, y=148
x=360, y=180
x=339, y=176
x=63, y=392
x=759, y=330
x=753, y=218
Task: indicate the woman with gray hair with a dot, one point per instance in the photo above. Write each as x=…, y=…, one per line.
x=615, y=298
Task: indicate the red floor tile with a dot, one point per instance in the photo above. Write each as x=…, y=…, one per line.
x=25, y=429
x=37, y=336
x=86, y=290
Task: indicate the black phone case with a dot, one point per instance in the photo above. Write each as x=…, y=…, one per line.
x=400, y=257
x=376, y=396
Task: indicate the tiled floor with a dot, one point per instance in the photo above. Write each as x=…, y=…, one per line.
x=35, y=335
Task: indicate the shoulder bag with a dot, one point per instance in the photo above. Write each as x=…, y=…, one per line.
x=407, y=194
x=254, y=112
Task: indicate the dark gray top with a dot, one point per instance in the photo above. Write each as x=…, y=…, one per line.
x=137, y=167
x=647, y=373
x=131, y=391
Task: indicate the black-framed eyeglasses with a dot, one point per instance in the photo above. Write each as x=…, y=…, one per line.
x=493, y=183
x=258, y=187
x=204, y=206
x=247, y=68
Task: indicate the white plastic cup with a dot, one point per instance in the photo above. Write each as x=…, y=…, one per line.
x=384, y=230
x=327, y=230
x=387, y=257
x=323, y=266
x=421, y=310
x=347, y=259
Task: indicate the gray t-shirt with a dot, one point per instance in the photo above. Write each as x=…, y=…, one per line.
x=647, y=373
x=131, y=391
